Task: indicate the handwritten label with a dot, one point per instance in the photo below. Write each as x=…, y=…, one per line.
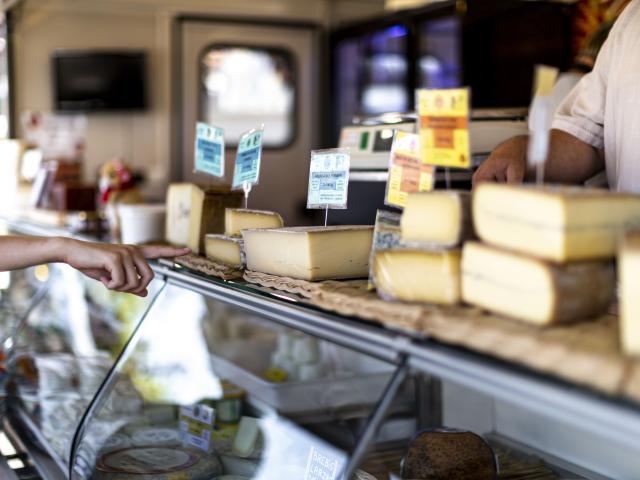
x=444, y=127
x=209, y=150
x=328, y=179
x=407, y=173
x=196, y=425
x=247, y=169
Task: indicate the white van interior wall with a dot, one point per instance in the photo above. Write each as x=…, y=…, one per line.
x=142, y=138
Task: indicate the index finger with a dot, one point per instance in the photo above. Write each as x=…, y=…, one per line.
x=157, y=251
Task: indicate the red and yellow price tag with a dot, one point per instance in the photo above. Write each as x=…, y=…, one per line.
x=407, y=173
x=444, y=127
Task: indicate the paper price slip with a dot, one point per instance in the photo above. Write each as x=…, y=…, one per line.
x=247, y=168
x=444, y=127
x=328, y=180
x=407, y=173
x=209, y=148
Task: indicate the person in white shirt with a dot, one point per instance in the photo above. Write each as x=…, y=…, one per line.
x=596, y=127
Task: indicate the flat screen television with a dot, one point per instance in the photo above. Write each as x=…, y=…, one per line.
x=86, y=81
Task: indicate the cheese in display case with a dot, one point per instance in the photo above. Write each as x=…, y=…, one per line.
x=534, y=290
x=310, y=253
x=192, y=212
x=557, y=223
x=226, y=250
x=629, y=271
x=428, y=276
x=238, y=219
x=441, y=218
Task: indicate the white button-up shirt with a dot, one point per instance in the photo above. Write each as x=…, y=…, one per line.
x=603, y=110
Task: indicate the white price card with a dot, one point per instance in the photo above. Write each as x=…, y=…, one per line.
x=247, y=169
x=209, y=150
x=328, y=179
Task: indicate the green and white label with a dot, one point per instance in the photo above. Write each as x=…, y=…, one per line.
x=247, y=169
x=209, y=150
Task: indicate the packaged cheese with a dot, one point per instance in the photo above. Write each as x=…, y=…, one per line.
x=310, y=253
x=441, y=218
x=225, y=250
x=193, y=212
x=418, y=275
x=534, y=290
x=238, y=219
x=629, y=271
x=562, y=224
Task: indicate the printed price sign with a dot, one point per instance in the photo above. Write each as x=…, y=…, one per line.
x=322, y=465
x=328, y=179
x=444, y=127
x=196, y=425
x=407, y=173
x=247, y=169
x=209, y=150
x=386, y=235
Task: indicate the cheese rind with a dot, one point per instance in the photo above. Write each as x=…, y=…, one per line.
x=193, y=212
x=418, y=275
x=440, y=218
x=310, y=253
x=629, y=271
x=562, y=224
x=534, y=290
x=238, y=219
x=224, y=249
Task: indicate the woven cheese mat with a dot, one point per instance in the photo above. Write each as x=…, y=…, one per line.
x=209, y=267
x=299, y=287
x=586, y=353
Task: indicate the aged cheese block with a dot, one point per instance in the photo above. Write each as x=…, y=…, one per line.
x=556, y=223
x=225, y=250
x=534, y=290
x=238, y=219
x=193, y=212
x=418, y=275
x=629, y=271
x=310, y=253
x=441, y=218
x=157, y=463
x=446, y=454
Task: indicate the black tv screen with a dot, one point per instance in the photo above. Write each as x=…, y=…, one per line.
x=93, y=81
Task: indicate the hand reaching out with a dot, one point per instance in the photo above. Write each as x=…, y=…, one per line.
x=123, y=268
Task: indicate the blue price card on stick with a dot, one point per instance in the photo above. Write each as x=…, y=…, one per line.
x=328, y=179
x=247, y=170
x=209, y=150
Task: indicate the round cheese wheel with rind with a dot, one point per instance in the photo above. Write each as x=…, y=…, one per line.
x=157, y=463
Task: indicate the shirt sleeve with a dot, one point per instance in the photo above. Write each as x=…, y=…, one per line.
x=582, y=113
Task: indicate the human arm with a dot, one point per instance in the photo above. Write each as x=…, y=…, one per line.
x=119, y=267
x=570, y=160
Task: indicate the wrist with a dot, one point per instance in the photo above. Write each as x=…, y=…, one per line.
x=58, y=248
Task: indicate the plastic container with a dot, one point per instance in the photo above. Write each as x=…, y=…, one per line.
x=142, y=223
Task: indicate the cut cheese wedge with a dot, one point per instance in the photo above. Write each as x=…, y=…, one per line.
x=310, y=253
x=534, y=290
x=556, y=223
x=418, y=275
x=193, y=212
x=629, y=271
x=226, y=250
x=238, y=219
x=440, y=218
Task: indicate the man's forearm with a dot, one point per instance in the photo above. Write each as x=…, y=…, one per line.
x=20, y=252
x=570, y=160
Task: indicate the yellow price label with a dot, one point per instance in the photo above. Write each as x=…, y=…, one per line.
x=444, y=127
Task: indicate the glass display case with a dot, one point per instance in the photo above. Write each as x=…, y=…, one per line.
x=211, y=379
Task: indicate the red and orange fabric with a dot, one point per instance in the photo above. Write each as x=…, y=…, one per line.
x=589, y=17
